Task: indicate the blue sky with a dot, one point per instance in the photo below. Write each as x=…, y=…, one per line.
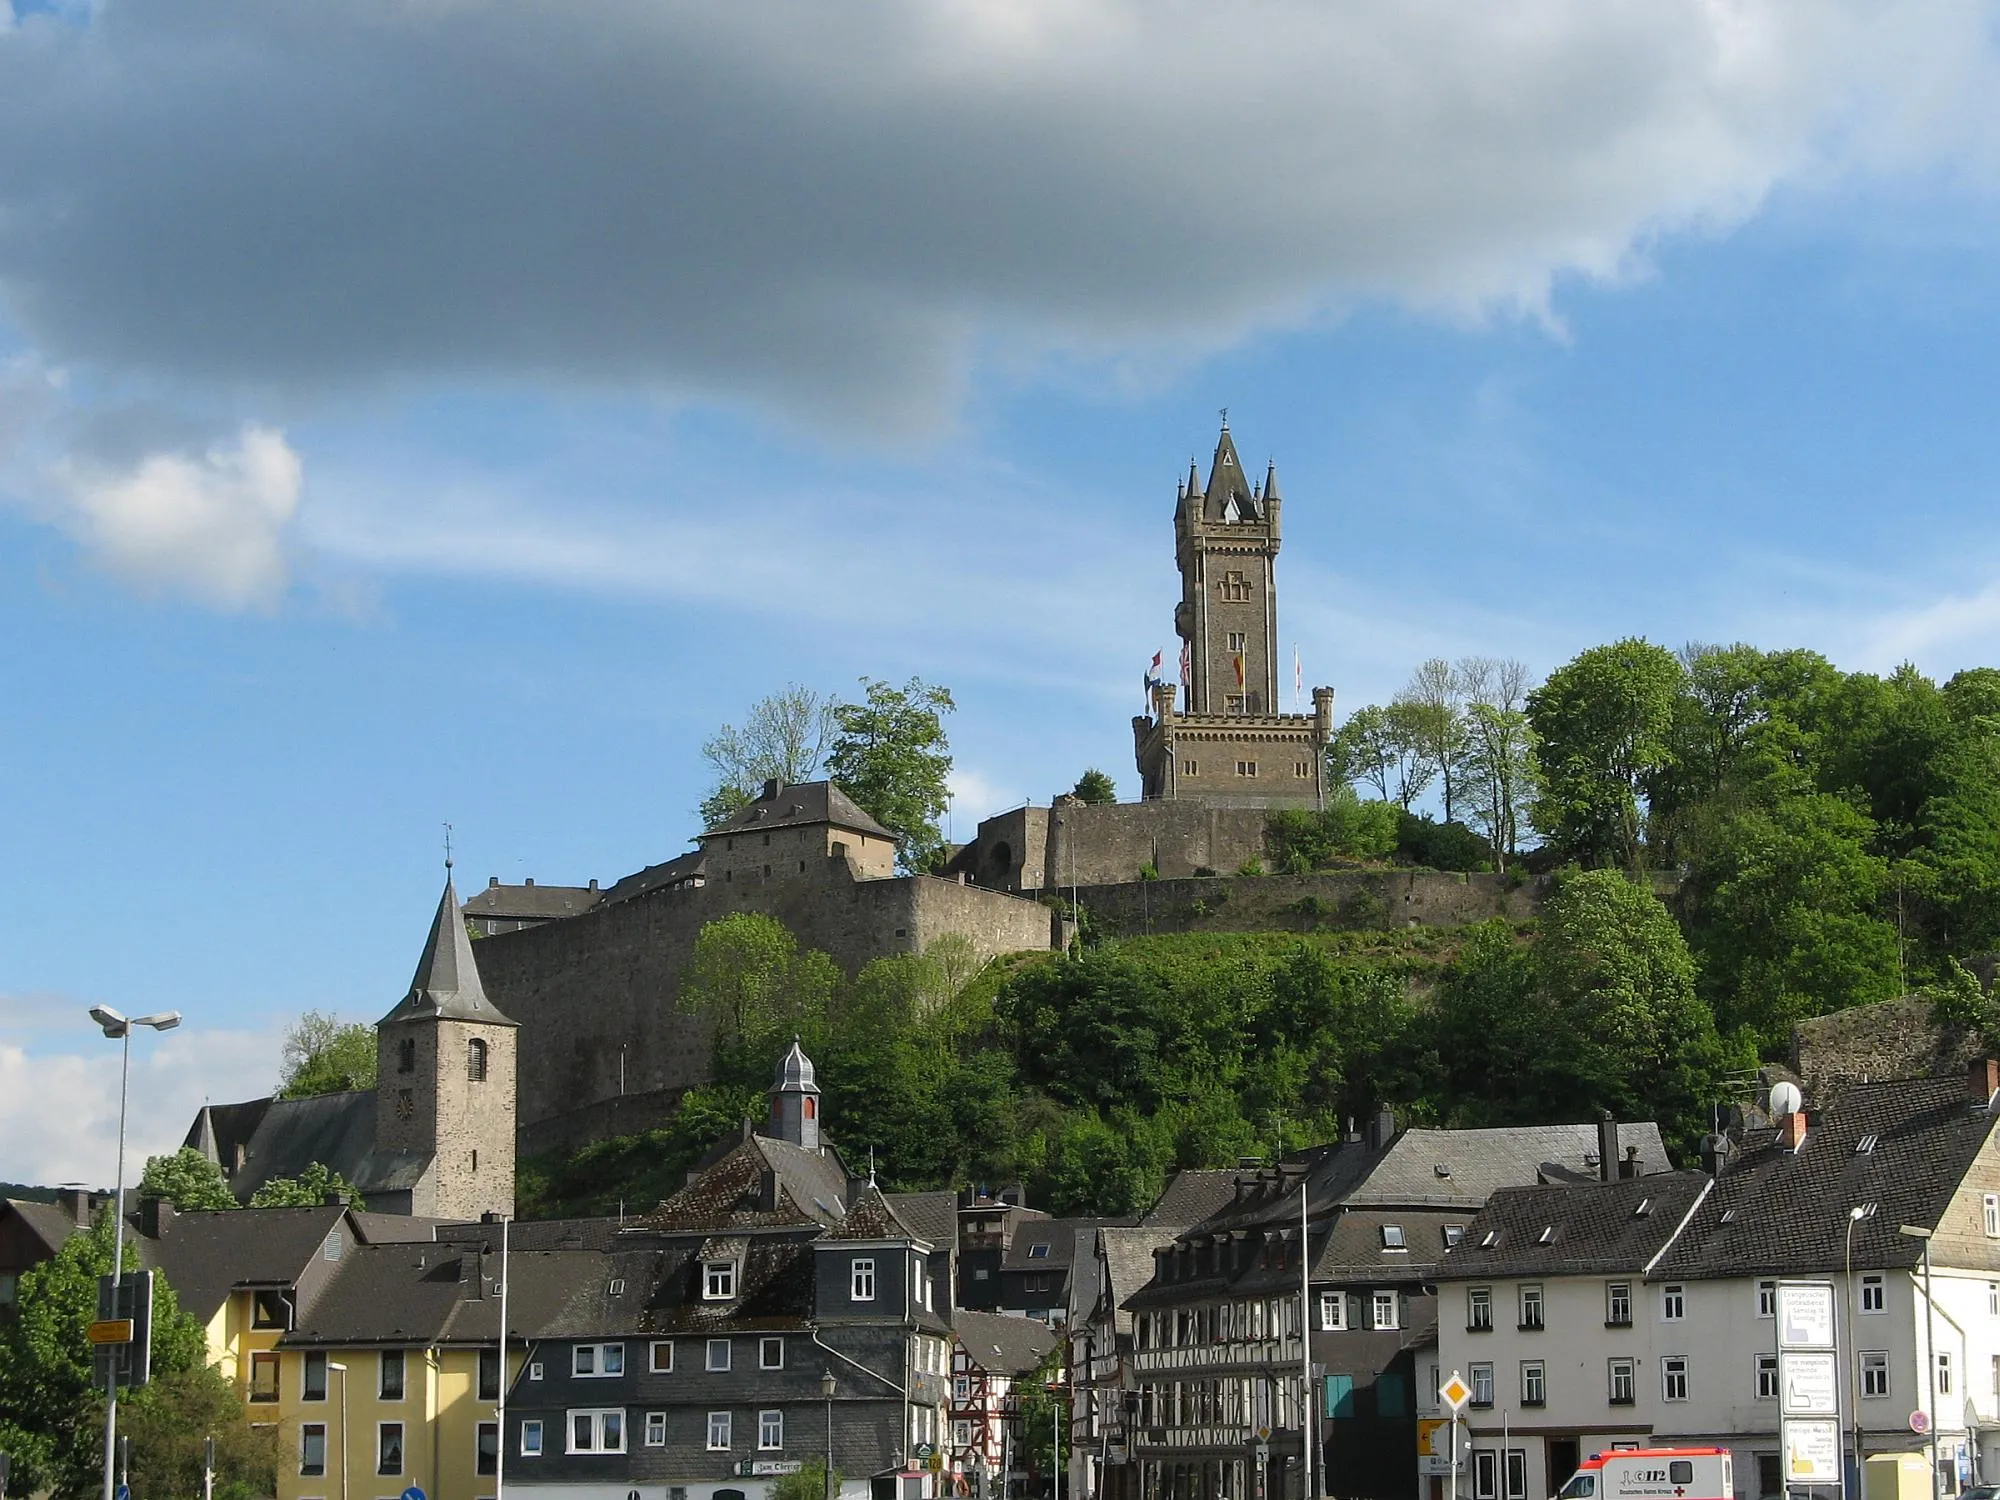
x=467, y=445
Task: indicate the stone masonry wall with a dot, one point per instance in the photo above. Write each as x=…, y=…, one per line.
x=1337, y=900
x=1111, y=842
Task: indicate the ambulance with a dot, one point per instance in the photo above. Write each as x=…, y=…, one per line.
x=1653, y=1474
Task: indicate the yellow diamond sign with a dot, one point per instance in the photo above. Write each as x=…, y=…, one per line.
x=1455, y=1392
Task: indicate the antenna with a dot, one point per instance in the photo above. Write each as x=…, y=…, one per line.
x=1785, y=1100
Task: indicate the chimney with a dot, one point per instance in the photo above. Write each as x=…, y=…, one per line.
x=156, y=1217
x=1792, y=1131
x=1983, y=1080
x=593, y=883
x=767, y=1191
x=76, y=1203
x=1607, y=1146
x=528, y=880
x=492, y=882
x=333, y=1198
x=1385, y=1127
x=1630, y=1166
x=771, y=790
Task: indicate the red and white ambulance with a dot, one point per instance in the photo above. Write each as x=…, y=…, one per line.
x=1652, y=1474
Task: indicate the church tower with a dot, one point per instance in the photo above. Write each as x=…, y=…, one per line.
x=795, y=1100
x=1221, y=738
x=444, y=1093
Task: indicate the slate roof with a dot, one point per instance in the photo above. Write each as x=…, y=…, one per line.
x=394, y=1229
x=774, y=1289
x=672, y=872
x=1192, y=1196
x=1000, y=1344
x=535, y=1234
x=1226, y=479
x=933, y=1216
x=872, y=1217
x=336, y=1129
x=220, y=1128
x=1599, y=1228
x=1353, y=1248
x=1128, y=1264
x=1789, y=1212
x=811, y=1187
x=446, y=984
x=531, y=902
x=208, y=1254
x=1062, y=1236
x=797, y=806
x=424, y=1294
x=50, y=1223
x=1478, y=1163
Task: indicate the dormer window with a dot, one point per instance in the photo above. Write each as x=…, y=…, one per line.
x=718, y=1280
x=1392, y=1237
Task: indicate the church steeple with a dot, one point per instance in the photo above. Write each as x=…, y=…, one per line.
x=795, y=1100
x=446, y=983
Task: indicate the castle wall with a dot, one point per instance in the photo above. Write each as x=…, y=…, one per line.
x=1332, y=901
x=1109, y=843
x=584, y=987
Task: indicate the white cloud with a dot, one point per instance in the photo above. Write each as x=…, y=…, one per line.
x=829, y=209
x=215, y=526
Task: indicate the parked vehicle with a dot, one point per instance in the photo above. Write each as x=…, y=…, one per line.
x=1652, y=1474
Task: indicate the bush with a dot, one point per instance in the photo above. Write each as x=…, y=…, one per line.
x=1347, y=828
x=1251, y=866
x=1441, y=846
x=1149, y=871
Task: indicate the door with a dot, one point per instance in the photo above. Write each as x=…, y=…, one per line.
x=1563, y=1459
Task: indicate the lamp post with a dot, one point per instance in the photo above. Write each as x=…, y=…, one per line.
x=1918, y=1232
x=827, y=1386
x=119, y=1029
x=341, y=1370
x=1854, y=1216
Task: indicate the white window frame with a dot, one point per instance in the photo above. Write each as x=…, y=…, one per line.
x=656, y=1429
x=655, y=1363
x=770, y=1425
x=861, y=1280
x=1617, y=1294
x=1384, y=1311
x=531, y=1437
x=1485, y=1474
x=597, y=1417
x=709, y=1361
x=720, y=1425
x=1332, y=1311
x=1673, y=1303
x=385, y=1361
x=307, y=1430
x=1944, y=1372
x=1530, y=1295
x=771, y=1352
x=1538, y=1371
x=1990, y=1208
x=718, y=1280
x=601, y=1358
x=1478, y=1299
x=1627, y=1368
x=402, y=1449
x=1874, y=1374
x=1480, y=1375
x=1673, y=1374
x=1767, y=1299
x=1874, y=1294
x=1765, y=1379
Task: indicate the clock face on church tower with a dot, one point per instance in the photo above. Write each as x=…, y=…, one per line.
x=406, y=1104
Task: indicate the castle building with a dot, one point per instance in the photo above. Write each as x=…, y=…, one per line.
x=1227, y=744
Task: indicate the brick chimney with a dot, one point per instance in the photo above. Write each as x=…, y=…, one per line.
x=1607, y=1146
x=1983, y=1080
x=76, y=1203
x=1792, y=1130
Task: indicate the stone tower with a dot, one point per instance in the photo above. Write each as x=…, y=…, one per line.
x=795, y=1100
x=444, y=1094
x=1225, y=741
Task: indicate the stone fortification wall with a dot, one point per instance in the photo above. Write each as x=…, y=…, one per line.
x=1355, y=900
x=1868, y=1043
x=588, y=986
x=1111, y=842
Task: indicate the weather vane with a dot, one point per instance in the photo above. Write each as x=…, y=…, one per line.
x=1225, y=419
x=447, y=846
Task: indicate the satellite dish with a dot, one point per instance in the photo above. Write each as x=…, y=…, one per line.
x=1785, y=1100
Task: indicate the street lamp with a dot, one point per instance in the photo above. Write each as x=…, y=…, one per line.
x=1918, y=1232
x=1855, y=1215
x=827, y=1386
x=341, y=1370
x=119, y=1029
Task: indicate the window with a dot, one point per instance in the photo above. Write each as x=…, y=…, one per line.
x=718, y=1280
x=596, y=1361
x=264, y=1377
x=1246, y=768
x=1189, y=768
x=406, y=1055
x=1332, y=1311
x=961, y=1388
x=656, y=1429
x=1236, y=588
x=1674, y=1377
x=388, y=1447
x=718, y=1432
x=475, y=1060
x=312, y=1448
x=1993, y=1299
x=331, y=1249
x=535, y=1370
x=531, y=1438
x=599, y=1431
x=1531, y=1307
x=1454, y=1236
x=1384, y=1310
x=269, y=1310
x=1874, y=1372
x=389, y=1375
x=1992, y=1208
x=1485, y=1474
x=1624, y=1382
x=1517, y=1474
x=486, y=1455
x=1673, y=1303
x=770, y=1354
x=961, y=1434
x=1767, y=1299
x=770, y=1429
x=1038, y=1252
x=1873, y=1295
x=1479, y=1309
x=1238, y=641
x=660, y=1357
x=1618, y=1304
x=718, y=1354
x=1944, y=1372
x=489, y=1375
x=861, y=1284
x=1392, y=1237
x=312, y=1377
x=1534, y=1383
x=1482, y=1384
x=1767, y=1377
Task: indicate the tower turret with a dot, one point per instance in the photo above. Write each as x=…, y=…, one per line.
x=795, y=1100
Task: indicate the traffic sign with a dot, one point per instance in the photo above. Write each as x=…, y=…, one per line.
x=1455, y=1392
x=413, y=1493
x=110, y=1331
x=1920, y=1422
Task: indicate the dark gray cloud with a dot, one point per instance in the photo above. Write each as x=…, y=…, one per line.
x=825, y=208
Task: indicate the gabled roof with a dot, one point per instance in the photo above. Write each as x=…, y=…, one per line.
x=531, y=902
x=446, y=985
x=1356, y=1245
x=934, y=1216
x=337, y=1130
x=1589, y=1229
x=679, y=870
x=1227, y=481
x=220, y=1128
x=1788, y=1212
x=1059, y=1236
x=871, y=1217
x=527, y=1235
x=50, y=1223
x=1127, y=1255
x=811, y=1189
x=426, y=1293
x=208, y=1254
x=1000, y=1344
x=797, y=806
x=1463, y=1168
x=774, y=1288
x=1192, y=1196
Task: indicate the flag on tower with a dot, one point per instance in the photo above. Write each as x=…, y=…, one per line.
x=1187, y=666
x=1298, y=681
x=1239, y=669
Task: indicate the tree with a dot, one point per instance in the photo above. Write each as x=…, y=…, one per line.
x=1094, y=788
x=324, y=1055
x=784, y=738
x=1500, y=766
x=1432, y=708
x=169, y=1429
x=890, y=754
x=1383, y=747
x=1602, y=722
x=307, y=1190
x=186, y=1179
x=757, y=988
x=807, y=1482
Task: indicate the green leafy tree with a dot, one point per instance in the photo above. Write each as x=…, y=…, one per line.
x=307, y=1190
x=784, y=737
x=1094, y=788
x=1500, y=769
x=186, y=1179
x=891, y=755
x=809, y=1482
x=1602, y=722
x=169, y=1429
x=1347, y=828
x=757, y=988
x=324, y=1055
x=1431, y=709
x=1384, y=748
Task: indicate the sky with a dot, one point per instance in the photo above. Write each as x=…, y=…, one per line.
x=451, y=411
